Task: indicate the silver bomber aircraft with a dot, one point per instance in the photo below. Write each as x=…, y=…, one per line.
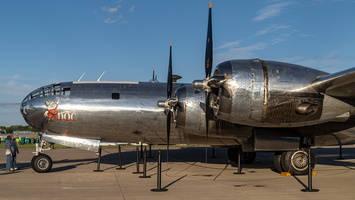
x=253, y=105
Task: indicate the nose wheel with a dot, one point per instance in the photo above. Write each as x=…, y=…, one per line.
x=41, y=163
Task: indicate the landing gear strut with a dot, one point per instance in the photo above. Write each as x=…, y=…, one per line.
x=41, y=162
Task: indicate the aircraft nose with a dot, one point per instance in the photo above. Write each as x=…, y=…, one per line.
x=31, y=110
x=23, y=108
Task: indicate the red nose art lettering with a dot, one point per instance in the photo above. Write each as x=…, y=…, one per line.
x=53, y=114
x=67, y=116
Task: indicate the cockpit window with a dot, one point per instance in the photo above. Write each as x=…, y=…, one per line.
x=50, y=90
x=56, y=90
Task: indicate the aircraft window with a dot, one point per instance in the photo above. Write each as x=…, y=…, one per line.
x=35, y=94
x=115, y=95
x=66, y=91
x=46, y=91
x=56, y=89
x=50, y=90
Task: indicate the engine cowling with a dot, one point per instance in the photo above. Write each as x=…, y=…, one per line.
x=189, y=117
x=189, y=114
x=269, y=94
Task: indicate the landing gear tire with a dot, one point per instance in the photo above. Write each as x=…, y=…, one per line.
x=41, y=163
x=277, y=161
x=296, y=162
x=247, y=157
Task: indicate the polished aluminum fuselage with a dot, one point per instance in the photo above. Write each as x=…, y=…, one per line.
x=90, y=111
x=260, y=101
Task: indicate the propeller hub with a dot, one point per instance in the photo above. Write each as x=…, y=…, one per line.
x=161, y=104
x=168, y=104
x=199, y=84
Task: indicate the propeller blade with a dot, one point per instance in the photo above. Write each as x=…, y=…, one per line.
x=169, y=92
x=208, y=69
x=170, y=74
x=209, y=46
x=208, y=63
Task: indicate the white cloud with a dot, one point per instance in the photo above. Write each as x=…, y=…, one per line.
x=113, y=20
x=16, y=77
x=15, y=88
x=291, y=59
x=271, y=28
x=132, y=9
x=320, y=2
x=277, y=40
x=114, y=14
x=327, y=61
x=270, y=11
x=110, y=10
x=229, y=44
x=240, y=52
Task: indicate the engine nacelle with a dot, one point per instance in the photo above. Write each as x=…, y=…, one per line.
x=189, y=116
x=271, y=94
x=189, y=112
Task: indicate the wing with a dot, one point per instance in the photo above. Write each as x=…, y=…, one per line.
x=340, y=84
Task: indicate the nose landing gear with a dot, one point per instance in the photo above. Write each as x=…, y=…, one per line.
x=41, y=162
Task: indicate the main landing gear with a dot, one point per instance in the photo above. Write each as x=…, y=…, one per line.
x=247, y=157
x=41, y=162
x=294, y=162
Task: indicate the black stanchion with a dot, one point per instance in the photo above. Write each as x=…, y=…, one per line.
x=159, y=189
x=145, y=164
x=150, y=152
x=309, y=189
x=120, y=159
x=340, y=147
x=141, y=160
x=340, y=152
x=213, y=156
x=239, y=162
x=137, y=162
x=99, y=161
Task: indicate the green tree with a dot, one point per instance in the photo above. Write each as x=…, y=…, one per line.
x=9, y=130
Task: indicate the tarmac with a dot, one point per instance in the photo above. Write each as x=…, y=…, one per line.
x=186, y=176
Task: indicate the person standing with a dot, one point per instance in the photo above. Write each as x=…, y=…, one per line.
x=8, y=152
x=15, y=151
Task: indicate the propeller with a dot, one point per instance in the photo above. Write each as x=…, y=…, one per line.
x=209, y=82
x=169, y=103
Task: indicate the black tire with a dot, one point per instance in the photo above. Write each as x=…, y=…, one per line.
x=296, y=162
x=277, y=161
x=247, y=157
x=41, y=163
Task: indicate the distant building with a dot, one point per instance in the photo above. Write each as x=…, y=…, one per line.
x=23, y=132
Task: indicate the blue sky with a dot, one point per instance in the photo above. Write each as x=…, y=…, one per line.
x=47, y=41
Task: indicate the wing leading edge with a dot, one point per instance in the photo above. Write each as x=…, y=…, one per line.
x=339, y=85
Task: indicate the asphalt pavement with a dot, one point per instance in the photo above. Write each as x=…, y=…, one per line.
x=186, y=175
